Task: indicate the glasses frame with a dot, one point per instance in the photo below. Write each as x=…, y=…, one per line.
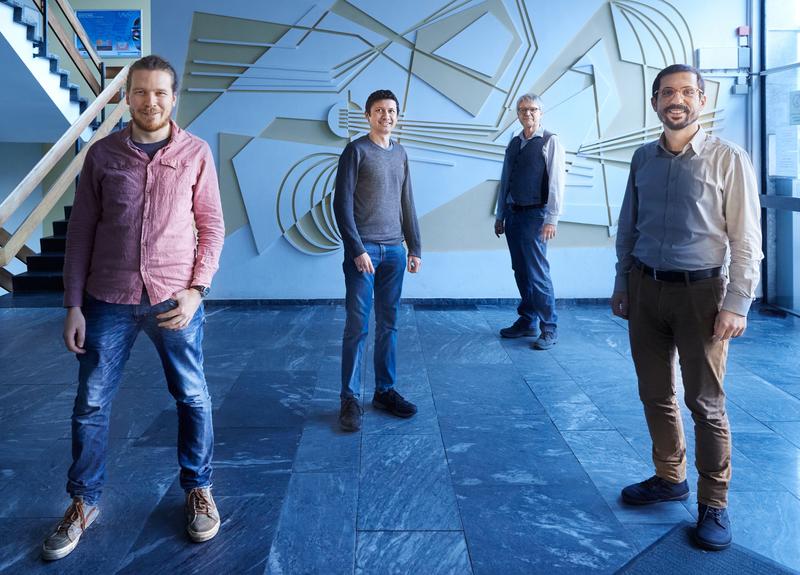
x=698, y=93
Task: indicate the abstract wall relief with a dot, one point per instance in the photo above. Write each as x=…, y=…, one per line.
x=458, y=68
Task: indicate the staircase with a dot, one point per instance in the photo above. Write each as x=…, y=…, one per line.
x=38, y=87
x=45, y=269
x=49, y=93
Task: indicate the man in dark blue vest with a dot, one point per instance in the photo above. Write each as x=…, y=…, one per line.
x=528, y=205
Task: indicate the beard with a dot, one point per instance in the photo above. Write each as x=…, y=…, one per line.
x=689, y=118
x=149, y=125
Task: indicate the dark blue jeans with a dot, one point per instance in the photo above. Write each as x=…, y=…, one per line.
x=531, y=270
x=389, y=262
x=111, y=330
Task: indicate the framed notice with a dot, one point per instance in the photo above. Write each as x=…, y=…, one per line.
x=113, y=33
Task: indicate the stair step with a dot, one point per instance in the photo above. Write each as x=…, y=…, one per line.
x=46, y=262
x=53, y=244
x=60, y=227
x=38, y=281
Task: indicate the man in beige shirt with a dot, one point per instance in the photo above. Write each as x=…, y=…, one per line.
x=689, y=253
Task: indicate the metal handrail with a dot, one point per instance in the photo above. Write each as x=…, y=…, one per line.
x=49, y=20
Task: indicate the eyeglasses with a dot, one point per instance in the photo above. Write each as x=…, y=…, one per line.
x=688, y=92
x=523, y=111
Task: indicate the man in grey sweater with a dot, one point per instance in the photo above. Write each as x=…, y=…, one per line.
x=374, y=210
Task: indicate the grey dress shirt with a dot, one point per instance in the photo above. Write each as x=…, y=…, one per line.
x=695, y=210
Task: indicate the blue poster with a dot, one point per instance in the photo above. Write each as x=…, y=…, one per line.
x=114, y=33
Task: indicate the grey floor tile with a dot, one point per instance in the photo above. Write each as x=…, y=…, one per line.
x=767, y=525
x=403, y=552
x=316, y=531
x=324, y=447
x=405, y=485
x=541, y=530
x=510, y=451
x=242, y=545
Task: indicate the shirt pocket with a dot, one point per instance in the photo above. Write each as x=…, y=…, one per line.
x=177, y=176
x=122, y=185
x=696, y=182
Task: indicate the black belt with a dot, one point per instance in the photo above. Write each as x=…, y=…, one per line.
x=678, y=275
x=521, y=208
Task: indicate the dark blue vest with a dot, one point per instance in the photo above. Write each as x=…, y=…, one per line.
x=528, y=182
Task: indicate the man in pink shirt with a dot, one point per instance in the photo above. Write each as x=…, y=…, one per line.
x=143, y=243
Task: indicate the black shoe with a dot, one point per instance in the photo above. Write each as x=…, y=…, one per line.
x=394, y=403
x=713, y=528
x=350, y=414
x=655, y=490
x=519, y=328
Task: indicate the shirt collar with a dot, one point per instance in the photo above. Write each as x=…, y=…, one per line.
x=697, y=143
x=176, y=134
x=537, y=134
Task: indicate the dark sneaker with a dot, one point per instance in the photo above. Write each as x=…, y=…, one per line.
x=547, y=340
x=713, y=528
x=67, y=534
x=519, y=329
x=202, y=517
x=394, y=403
x=655, y=490
x=350, y=414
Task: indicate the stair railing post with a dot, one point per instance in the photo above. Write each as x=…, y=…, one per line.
x=78, y=147
x=102, y=87
x=42, y=44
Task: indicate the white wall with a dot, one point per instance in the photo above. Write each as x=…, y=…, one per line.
x=582, y=56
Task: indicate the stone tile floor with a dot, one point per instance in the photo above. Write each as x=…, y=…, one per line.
x=513, y=464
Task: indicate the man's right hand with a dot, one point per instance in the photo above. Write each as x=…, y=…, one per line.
x=364, y=263
x=75, y=330
x=619, y=304
x=499, y=228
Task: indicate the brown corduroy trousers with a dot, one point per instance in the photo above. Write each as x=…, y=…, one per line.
x=669, y=318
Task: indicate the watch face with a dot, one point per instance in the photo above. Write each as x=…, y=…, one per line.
x=202, y=289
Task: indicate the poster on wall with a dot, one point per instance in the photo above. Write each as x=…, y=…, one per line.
x=113, y=33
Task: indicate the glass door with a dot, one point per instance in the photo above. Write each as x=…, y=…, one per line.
x=780, y=83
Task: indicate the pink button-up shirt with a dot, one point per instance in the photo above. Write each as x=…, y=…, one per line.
x=138, y=223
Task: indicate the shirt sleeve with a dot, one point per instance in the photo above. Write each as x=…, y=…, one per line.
x=743, y=221
x=556, y=162
x=208, y=218
x=343, y=198
x=626, y=229
x=83, y=220
x=410, y=223
x=502, y=190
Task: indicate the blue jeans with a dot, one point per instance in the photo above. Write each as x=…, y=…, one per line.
x=111, y=330
x=531, y=269
x=389, y=262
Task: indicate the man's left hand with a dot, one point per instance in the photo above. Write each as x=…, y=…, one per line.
x=548, y=232
x=179, y=317
x=728, y=325
x=414, y=264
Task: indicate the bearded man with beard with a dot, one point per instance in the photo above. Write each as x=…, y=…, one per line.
x=688, y=263
x=143, y=243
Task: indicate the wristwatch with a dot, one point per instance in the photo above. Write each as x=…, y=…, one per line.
x=202, y=289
